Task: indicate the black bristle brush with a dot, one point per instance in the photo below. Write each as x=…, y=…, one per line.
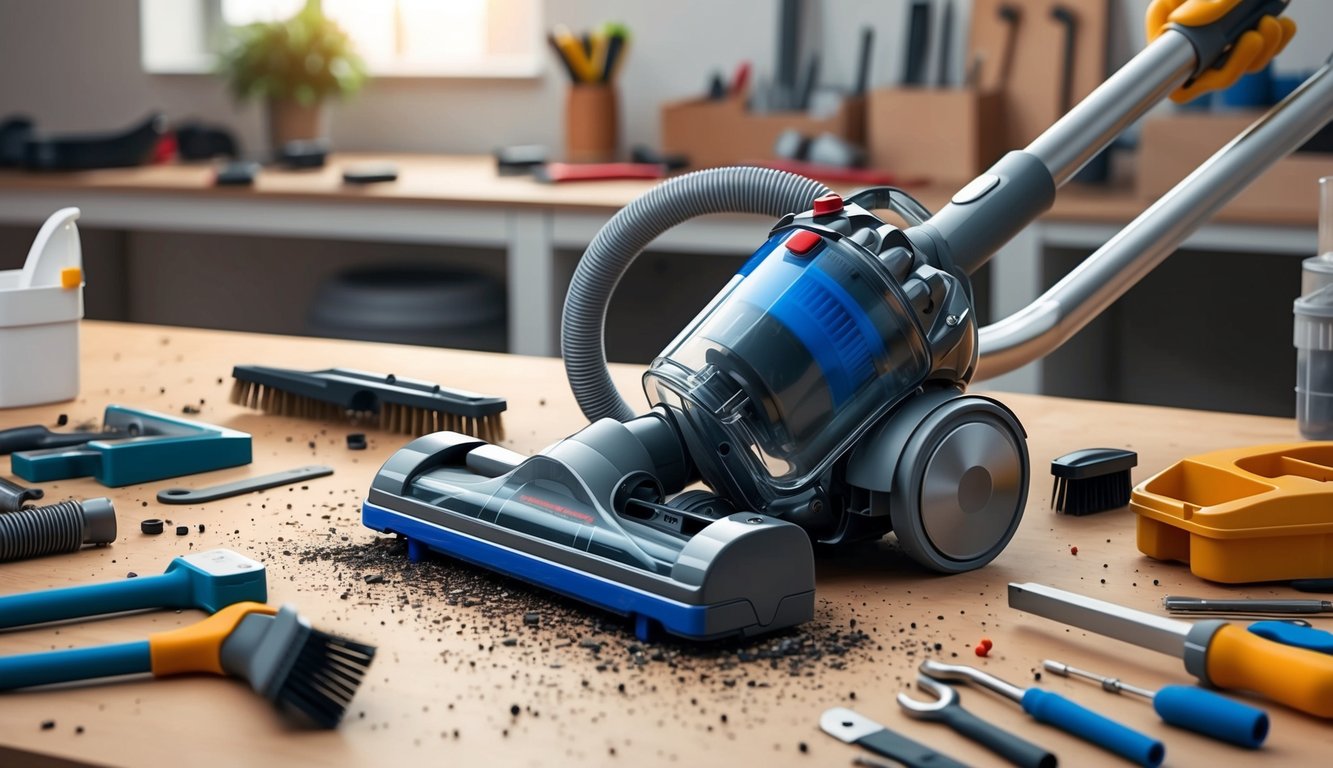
x=1092, y=480
x=308, y=674
x=406, y=406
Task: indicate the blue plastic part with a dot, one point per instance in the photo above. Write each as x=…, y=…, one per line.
x=1212, y=714
x=826, y=319
x=768, y=247
x=1295, y=635
x=182, y=586
x=167, y=447
x=29, y=669
x=677, y=618
x=1054, y=709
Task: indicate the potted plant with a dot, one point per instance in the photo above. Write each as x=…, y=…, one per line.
x=294, y=66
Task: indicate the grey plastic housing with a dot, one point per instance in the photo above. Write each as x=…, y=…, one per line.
x=262, y=648
x=752, y=573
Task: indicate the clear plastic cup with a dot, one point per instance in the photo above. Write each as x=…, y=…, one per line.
x=1314, y=330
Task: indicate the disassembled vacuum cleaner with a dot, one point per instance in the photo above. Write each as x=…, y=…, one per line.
x=820, y=396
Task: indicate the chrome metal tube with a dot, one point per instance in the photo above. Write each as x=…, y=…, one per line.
x=1136, y=250
x=1139, y=85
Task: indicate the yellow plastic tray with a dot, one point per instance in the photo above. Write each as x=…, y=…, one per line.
x=1262, y=513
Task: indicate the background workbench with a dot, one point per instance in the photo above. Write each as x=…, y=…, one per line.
x=457, y=651
x=460, y=202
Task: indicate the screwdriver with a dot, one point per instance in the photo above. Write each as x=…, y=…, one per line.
x=1055, y=710
x=1180, y=604
x=1219, y=654
x=1189, y=707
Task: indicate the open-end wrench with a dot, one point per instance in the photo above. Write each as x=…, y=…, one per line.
x=948, y=710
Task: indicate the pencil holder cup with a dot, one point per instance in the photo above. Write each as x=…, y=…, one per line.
x=592, y=123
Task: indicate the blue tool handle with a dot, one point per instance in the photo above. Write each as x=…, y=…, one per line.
x=168, y=590
x=1211, y=714
x=1295, y=635
x=49, y=667
x=1054, y=709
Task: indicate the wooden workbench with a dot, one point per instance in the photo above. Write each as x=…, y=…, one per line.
x=456, y=650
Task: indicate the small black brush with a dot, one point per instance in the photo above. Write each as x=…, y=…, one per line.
x=304, y=672
x=400, y=405
x=1092, y=480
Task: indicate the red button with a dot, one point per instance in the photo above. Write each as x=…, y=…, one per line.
x=802, y=242
x=828, y=204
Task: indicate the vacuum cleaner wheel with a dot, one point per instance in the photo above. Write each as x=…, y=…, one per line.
x=959, y=490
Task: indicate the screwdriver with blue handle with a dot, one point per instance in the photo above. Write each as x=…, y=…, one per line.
x=1219, y=654
x=1055, y=710
x=208, y=581
x=1187, y=706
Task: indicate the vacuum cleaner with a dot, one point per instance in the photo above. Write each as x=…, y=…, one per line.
x=820, y=397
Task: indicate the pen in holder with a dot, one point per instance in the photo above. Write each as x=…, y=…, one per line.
x=592, y=123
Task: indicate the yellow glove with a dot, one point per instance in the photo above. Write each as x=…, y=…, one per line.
x=1250, y=53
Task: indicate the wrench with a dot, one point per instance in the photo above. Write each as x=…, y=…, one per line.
x=947, y=709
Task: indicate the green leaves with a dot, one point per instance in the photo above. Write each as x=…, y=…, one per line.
x=306, y=59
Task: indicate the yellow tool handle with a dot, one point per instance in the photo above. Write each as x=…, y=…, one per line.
x=198, y=647
x=1299, y=678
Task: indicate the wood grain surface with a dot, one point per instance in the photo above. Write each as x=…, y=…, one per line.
x=473, y=670
x=471, y=180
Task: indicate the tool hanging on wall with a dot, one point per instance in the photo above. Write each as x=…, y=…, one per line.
x=1217, y=653
x=208, y=581
x=309, y=674
x=1055, y=710
x=948, y=709
x=149, y=446
x=823, y=389
x=1189, y=707
x=402, y=405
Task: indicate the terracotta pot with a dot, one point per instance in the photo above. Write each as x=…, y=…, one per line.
x=290, y=121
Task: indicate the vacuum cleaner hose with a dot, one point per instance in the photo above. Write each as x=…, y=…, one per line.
x=762, y=191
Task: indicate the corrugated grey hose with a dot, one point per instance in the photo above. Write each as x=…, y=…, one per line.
x=762, y=191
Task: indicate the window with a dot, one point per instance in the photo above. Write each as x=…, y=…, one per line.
x=397, y=38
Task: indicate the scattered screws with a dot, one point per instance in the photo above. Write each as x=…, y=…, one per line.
x=190, y=410
x=62, y=419
x=201, y=527
x=356, y=441
x=152, y=526
x=182, y=530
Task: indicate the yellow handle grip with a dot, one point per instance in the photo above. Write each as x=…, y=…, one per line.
x=1250, y=53
x=1299, y=678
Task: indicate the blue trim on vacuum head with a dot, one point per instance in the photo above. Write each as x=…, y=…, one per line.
x=677, y=618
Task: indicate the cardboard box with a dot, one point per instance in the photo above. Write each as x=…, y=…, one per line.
x=941, y=134
x=714, y=132
x=1172, y=146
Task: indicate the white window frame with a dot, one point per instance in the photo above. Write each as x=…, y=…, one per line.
x=180, y=37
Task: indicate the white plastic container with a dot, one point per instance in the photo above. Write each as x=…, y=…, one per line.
x=40, y=309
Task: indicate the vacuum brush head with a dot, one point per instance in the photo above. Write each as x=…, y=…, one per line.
x=309, y=674
x=400, y=405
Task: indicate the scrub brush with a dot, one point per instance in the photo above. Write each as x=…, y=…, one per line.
x=305, y=672
x=407, y=406
x=1092, y=480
